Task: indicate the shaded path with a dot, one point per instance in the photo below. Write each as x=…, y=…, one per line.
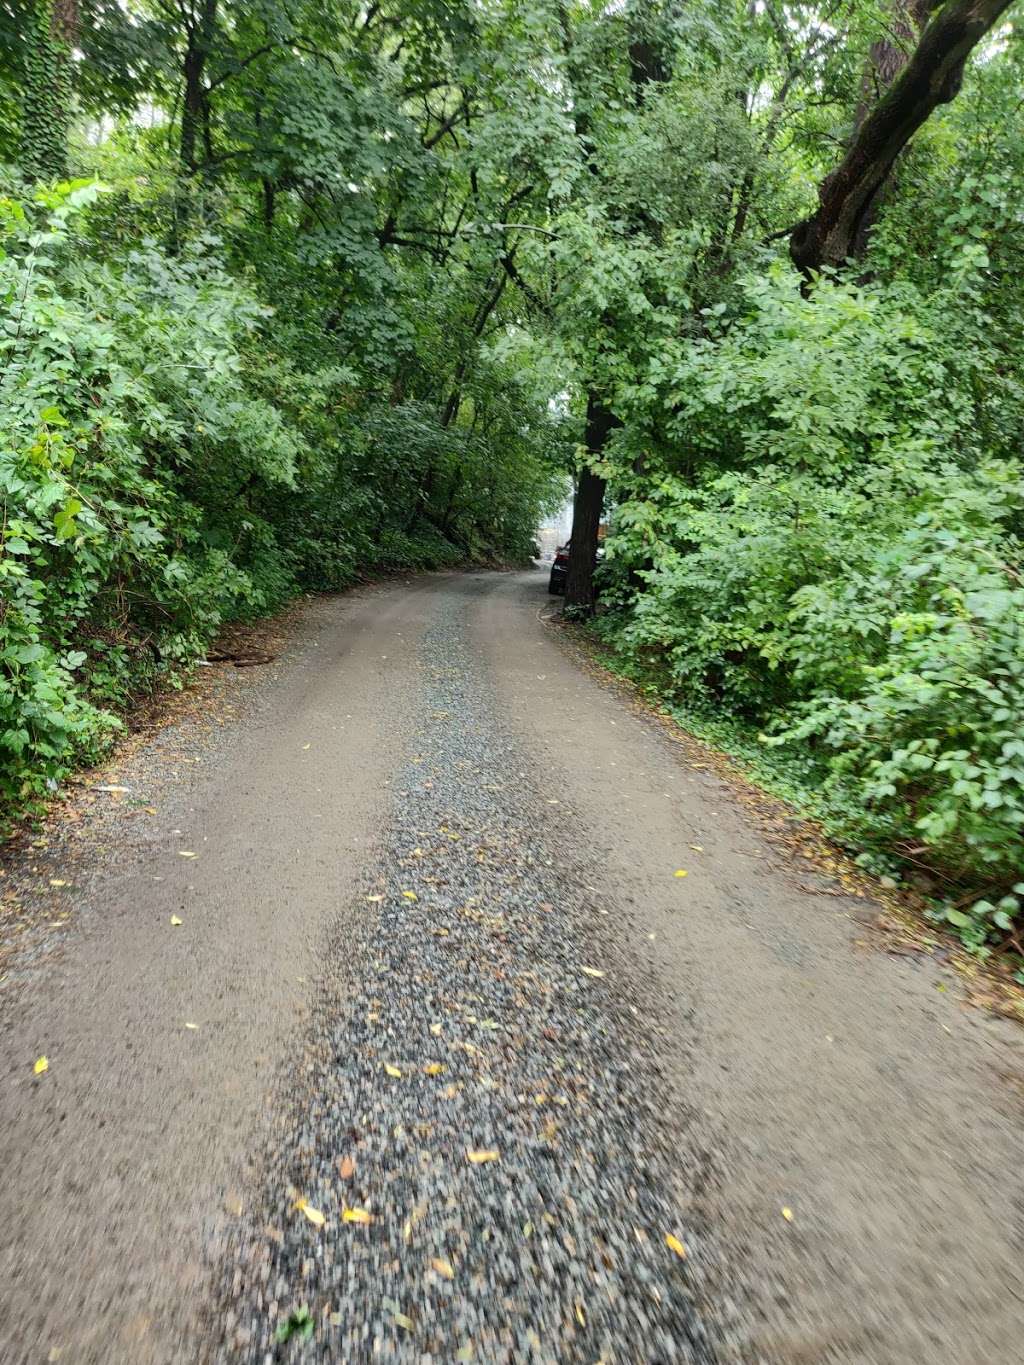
x=737, y=1056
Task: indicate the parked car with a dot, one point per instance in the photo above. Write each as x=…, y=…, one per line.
x=560, y=567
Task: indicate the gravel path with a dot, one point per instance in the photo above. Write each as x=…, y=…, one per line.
x=379, y=1017
x=481, y=1094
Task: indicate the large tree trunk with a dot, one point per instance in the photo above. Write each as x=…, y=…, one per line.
x=586, y=514
x=931, y=77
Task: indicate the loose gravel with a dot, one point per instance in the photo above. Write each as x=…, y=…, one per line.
x=480, y=1082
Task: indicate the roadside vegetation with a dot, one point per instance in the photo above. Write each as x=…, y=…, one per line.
x=296, y=293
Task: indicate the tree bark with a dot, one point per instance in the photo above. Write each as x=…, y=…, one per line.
x=931, y=77
x=586, y=513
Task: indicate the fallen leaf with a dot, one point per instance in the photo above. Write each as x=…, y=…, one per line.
x=43, y=1064
x=56, y=881
x=185, y=853
x=433, y=1068
x=410, y=895
x=375, y=899
x=404, y=1321
x=674, y=1244
x=681, y=872
x=580, y=1318
x=788, y=1215
x=314, y=1215
x=346, y=1167
x=592, y=971
x=192, y=1026
x=392, y=1070
x=305, y=746
x=478, y=1158
x=464, y=1353
x=111, y=787
x=697, y=848
x=175, y=919
x=443, y=1268
x=436, y=1030
x=356, y=1216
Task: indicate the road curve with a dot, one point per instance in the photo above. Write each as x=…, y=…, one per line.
x=472, y=1073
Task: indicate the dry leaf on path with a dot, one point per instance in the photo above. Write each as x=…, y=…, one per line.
x=346, y=1167
x=788, y=1215
x=314, y=1215
x=392, y=1070
x=681, y=872
x=592, y=971
x=186, y=853
x=410, y=895
x=43, y=1064
x=433, y=1069
x=175, y=919
x=478, y=1158
x=674, y=1244
x=356, y=1216
x=443, y=1267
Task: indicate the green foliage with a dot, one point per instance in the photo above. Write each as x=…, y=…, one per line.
x=826, y=547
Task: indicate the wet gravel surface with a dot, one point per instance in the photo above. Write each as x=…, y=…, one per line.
x=470, y=1157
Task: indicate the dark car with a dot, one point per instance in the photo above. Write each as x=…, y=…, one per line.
x=559, y=569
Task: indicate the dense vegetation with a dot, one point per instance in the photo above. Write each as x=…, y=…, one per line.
x=296, y=292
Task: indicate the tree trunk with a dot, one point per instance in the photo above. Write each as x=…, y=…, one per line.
x=194, y=110
x=931, y=77
x=586, y=514
x=46, y=110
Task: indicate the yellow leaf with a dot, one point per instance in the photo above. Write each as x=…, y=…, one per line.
x=175, y=919
x=579, y=1315
x=314, y=1215
x=356, y=1216
x=403, y=1321
x=433, y=1068
x=392, y=1070
x=697, y=848
x=443, y=1268
x=681, y=872
x=435, y=1030
x=478, y=1158
x=674, y=1244
x=410, y=895
x=56, y=881
x=375, y=899
x=193, y=1027
x=788, y=1215
x=592, y=971
x=305, y=747
x=185, y=853
x=43, y=1064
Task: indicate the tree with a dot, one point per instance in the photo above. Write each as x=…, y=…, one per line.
x=933, y=75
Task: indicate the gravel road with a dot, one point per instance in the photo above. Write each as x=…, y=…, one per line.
x=446, y=1061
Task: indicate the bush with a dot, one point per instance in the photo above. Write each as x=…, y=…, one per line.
x=852, y=583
